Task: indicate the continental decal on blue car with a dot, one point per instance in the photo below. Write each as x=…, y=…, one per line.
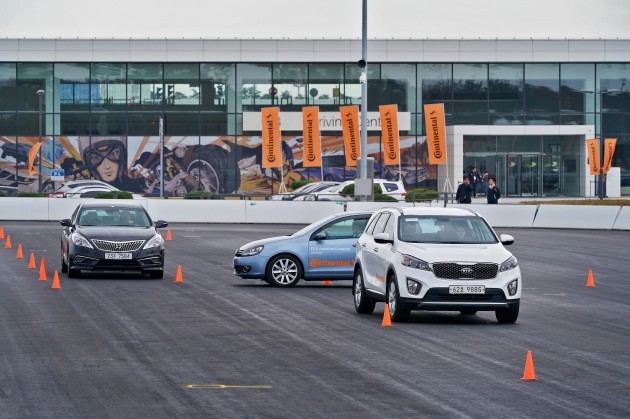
x=320, y=263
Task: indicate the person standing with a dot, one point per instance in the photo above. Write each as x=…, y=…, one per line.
x=484, y=181
x=463, y=192
x=473, y=177
x=493, y=191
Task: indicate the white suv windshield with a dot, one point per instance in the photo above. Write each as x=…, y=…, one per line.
x=444, y=229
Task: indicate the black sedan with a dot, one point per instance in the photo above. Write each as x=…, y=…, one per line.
x=103, y=236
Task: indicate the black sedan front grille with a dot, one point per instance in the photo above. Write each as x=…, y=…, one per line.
x=109, y=246
x=465, y=271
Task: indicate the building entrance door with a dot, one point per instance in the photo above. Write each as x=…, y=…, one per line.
x=522, y=174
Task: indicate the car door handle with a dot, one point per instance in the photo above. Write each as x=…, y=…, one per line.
x=376, y=250
x=363, y=245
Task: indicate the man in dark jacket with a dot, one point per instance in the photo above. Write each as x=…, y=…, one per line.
x=493, y=191
x=464, y=192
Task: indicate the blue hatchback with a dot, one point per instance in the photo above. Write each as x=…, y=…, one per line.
x=323, y=250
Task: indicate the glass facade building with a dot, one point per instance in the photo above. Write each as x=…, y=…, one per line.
x=521, y=118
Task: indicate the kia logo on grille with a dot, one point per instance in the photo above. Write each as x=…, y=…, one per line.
x=467, y=271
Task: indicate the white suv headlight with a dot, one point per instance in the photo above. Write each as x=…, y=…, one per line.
x=511, y=263
x=156, y=241
x=415, y=263
x=79, y=240
x=251, y=251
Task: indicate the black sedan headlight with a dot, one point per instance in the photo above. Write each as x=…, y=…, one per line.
x=251, y=251
x=79, y=240
x=156, y=241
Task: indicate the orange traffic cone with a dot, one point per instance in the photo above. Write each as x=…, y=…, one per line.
x=327, y=282
x=55, y=284
x=31, y=261
x=590, y=282
x=387, y=320
x=7, y=244
x=529, y=374
x=168, y=234
x=1, y=233
x=178, y=275
x=19, y=252
x=42, y=270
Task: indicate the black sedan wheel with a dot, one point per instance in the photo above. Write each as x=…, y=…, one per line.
x=284, y=271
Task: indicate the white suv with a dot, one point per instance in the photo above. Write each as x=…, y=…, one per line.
x=394, y=188
x=429, y=258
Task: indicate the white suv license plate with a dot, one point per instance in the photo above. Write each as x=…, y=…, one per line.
x=117, y=256
x=466, y=289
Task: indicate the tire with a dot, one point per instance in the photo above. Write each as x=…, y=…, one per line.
x=72, y=273
x=396, y=311
x=468, y=311
x=508, y=315
x=362, y=303
x=156, y=275
x=64, y=266
x=213, y=172
x=48, y=187
x=284, y=271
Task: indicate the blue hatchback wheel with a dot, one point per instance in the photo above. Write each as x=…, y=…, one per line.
x=284, y=271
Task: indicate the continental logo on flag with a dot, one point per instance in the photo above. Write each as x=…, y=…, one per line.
x=609, y=150
x=312, y=142
x=436, y=135
x=271, y=149
x=350, y=129
x=31, y=158
x=592, y=149
x=389, y=128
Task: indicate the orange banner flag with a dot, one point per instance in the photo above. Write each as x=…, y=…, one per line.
x=350, y=128
x=389, y=129
x=271, y=148
x=609, y=150
x=31, y=158
x=592, y=150
x=436, y=132
x=312, y=156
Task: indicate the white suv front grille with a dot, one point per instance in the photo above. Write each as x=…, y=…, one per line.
x=465, y=271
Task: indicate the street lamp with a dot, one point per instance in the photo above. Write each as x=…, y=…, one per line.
x=601, y=181
x=40, y=94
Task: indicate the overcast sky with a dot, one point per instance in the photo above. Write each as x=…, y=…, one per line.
x=331, y=19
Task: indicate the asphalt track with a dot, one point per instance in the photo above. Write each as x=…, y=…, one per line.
x=217, y=346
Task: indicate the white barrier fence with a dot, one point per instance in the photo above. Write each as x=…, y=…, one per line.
x=292, y=212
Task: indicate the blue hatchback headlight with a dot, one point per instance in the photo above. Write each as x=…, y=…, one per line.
x=251, y=251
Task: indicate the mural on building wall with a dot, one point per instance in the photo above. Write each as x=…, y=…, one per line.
x=221, y=164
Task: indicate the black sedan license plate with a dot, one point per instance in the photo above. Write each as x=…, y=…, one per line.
x=466, y=289
x=118, y=256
